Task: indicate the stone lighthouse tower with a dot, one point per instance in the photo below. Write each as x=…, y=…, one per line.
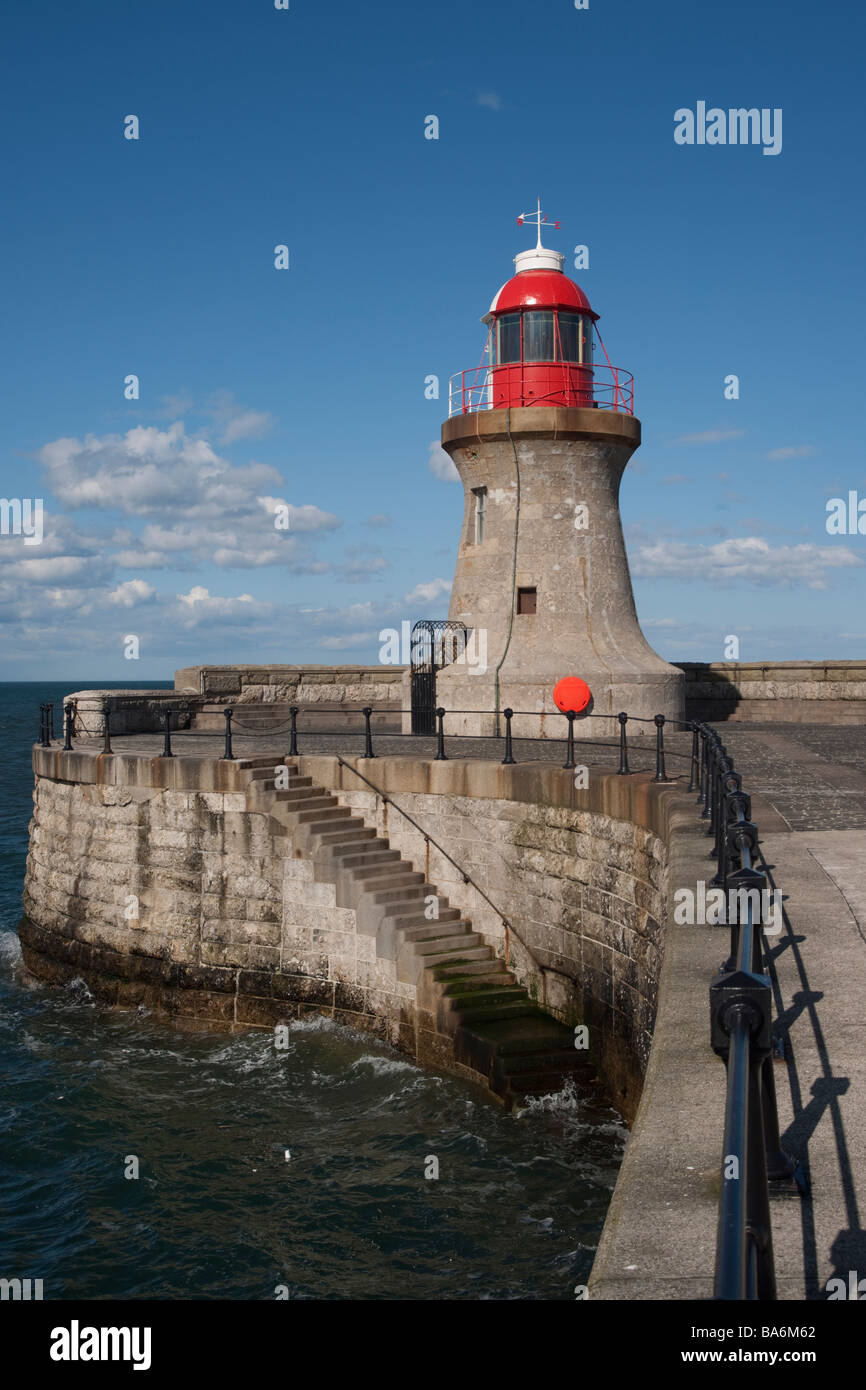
x=540, y=434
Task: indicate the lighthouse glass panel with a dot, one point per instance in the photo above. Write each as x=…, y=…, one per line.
x=538, y=336
x=569, y=337
x=508, y=331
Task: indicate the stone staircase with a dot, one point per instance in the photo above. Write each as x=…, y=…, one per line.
x=496, y=1028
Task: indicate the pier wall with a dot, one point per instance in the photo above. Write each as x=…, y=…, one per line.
x=160, y=884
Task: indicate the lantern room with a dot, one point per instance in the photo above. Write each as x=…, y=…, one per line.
x=539, y=351
x=539, y=348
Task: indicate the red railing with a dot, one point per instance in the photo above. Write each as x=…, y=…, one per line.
x=603, y=387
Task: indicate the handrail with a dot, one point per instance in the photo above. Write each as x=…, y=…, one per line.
x=608, y=387
x=467, y=878
x=741, y=1034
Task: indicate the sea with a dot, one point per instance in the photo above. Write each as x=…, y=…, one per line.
x=138, y=1161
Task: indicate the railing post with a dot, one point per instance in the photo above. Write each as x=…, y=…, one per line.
x=509, y=754
x=50, y=711
x=166, y=749
x=43, y=725
x=569, y=747
x=70, y=714
x=624, y=770
x=661, y=774
x=708, y=773
x=106, y=723
x=293, y=741
x=228, y=755
x=693, y=766
x=368, y=736
x=441, y=755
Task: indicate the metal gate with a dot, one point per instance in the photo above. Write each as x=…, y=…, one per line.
x=436, y=642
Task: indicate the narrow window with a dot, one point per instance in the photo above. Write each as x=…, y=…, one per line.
x=480, y=495
x=526, y=600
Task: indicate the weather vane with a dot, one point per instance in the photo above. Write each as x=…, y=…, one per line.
x=537, y=219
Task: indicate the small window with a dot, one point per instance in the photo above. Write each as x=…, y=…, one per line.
x=480, y=495
x=508, y=332
x=527, y=600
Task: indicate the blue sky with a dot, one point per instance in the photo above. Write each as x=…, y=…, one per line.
x=306, y=127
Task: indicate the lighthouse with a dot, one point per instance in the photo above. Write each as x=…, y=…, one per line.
x=540, y=434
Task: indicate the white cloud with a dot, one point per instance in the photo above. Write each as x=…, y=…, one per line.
x=148, y=471
x=709, y=437
x=304, y=518
x=130, y=592
x=429, y=592
x=795, y=451
x=749, y=559
x=441, y=466
x=492, y=100
x=250, y=424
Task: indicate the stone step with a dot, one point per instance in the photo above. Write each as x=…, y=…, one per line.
x=289, y=795
x=260, y=760
x=359, y=852
x=403, y=894
x=498, y=1012
x=361, y=867
x=292, y=806
x=413, y=919
x=556, y=1059
x=450, y=973
x=350, y=832
x=266, y=774
x=461, y=980
x=431, y=931
x=464, y=945
x=400, y=876
x=343, y=847
x=321, y=816
x=538, y=1032
x=461, y=998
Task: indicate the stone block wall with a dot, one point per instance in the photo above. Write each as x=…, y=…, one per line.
x=799, y=692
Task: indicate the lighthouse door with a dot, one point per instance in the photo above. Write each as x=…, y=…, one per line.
x=436, y=642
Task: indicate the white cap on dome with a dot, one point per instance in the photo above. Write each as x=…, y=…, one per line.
x=539, y=258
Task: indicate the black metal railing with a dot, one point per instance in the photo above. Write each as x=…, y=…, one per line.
x=75, y=727
x=741, y=1034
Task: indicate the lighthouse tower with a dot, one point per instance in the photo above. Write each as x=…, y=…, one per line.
x=540, y=434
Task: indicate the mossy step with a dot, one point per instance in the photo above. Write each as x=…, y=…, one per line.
x=460, y=996
x=495, y=1013
x=453, y=974
x=574, y=1062
x=538, y=1032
